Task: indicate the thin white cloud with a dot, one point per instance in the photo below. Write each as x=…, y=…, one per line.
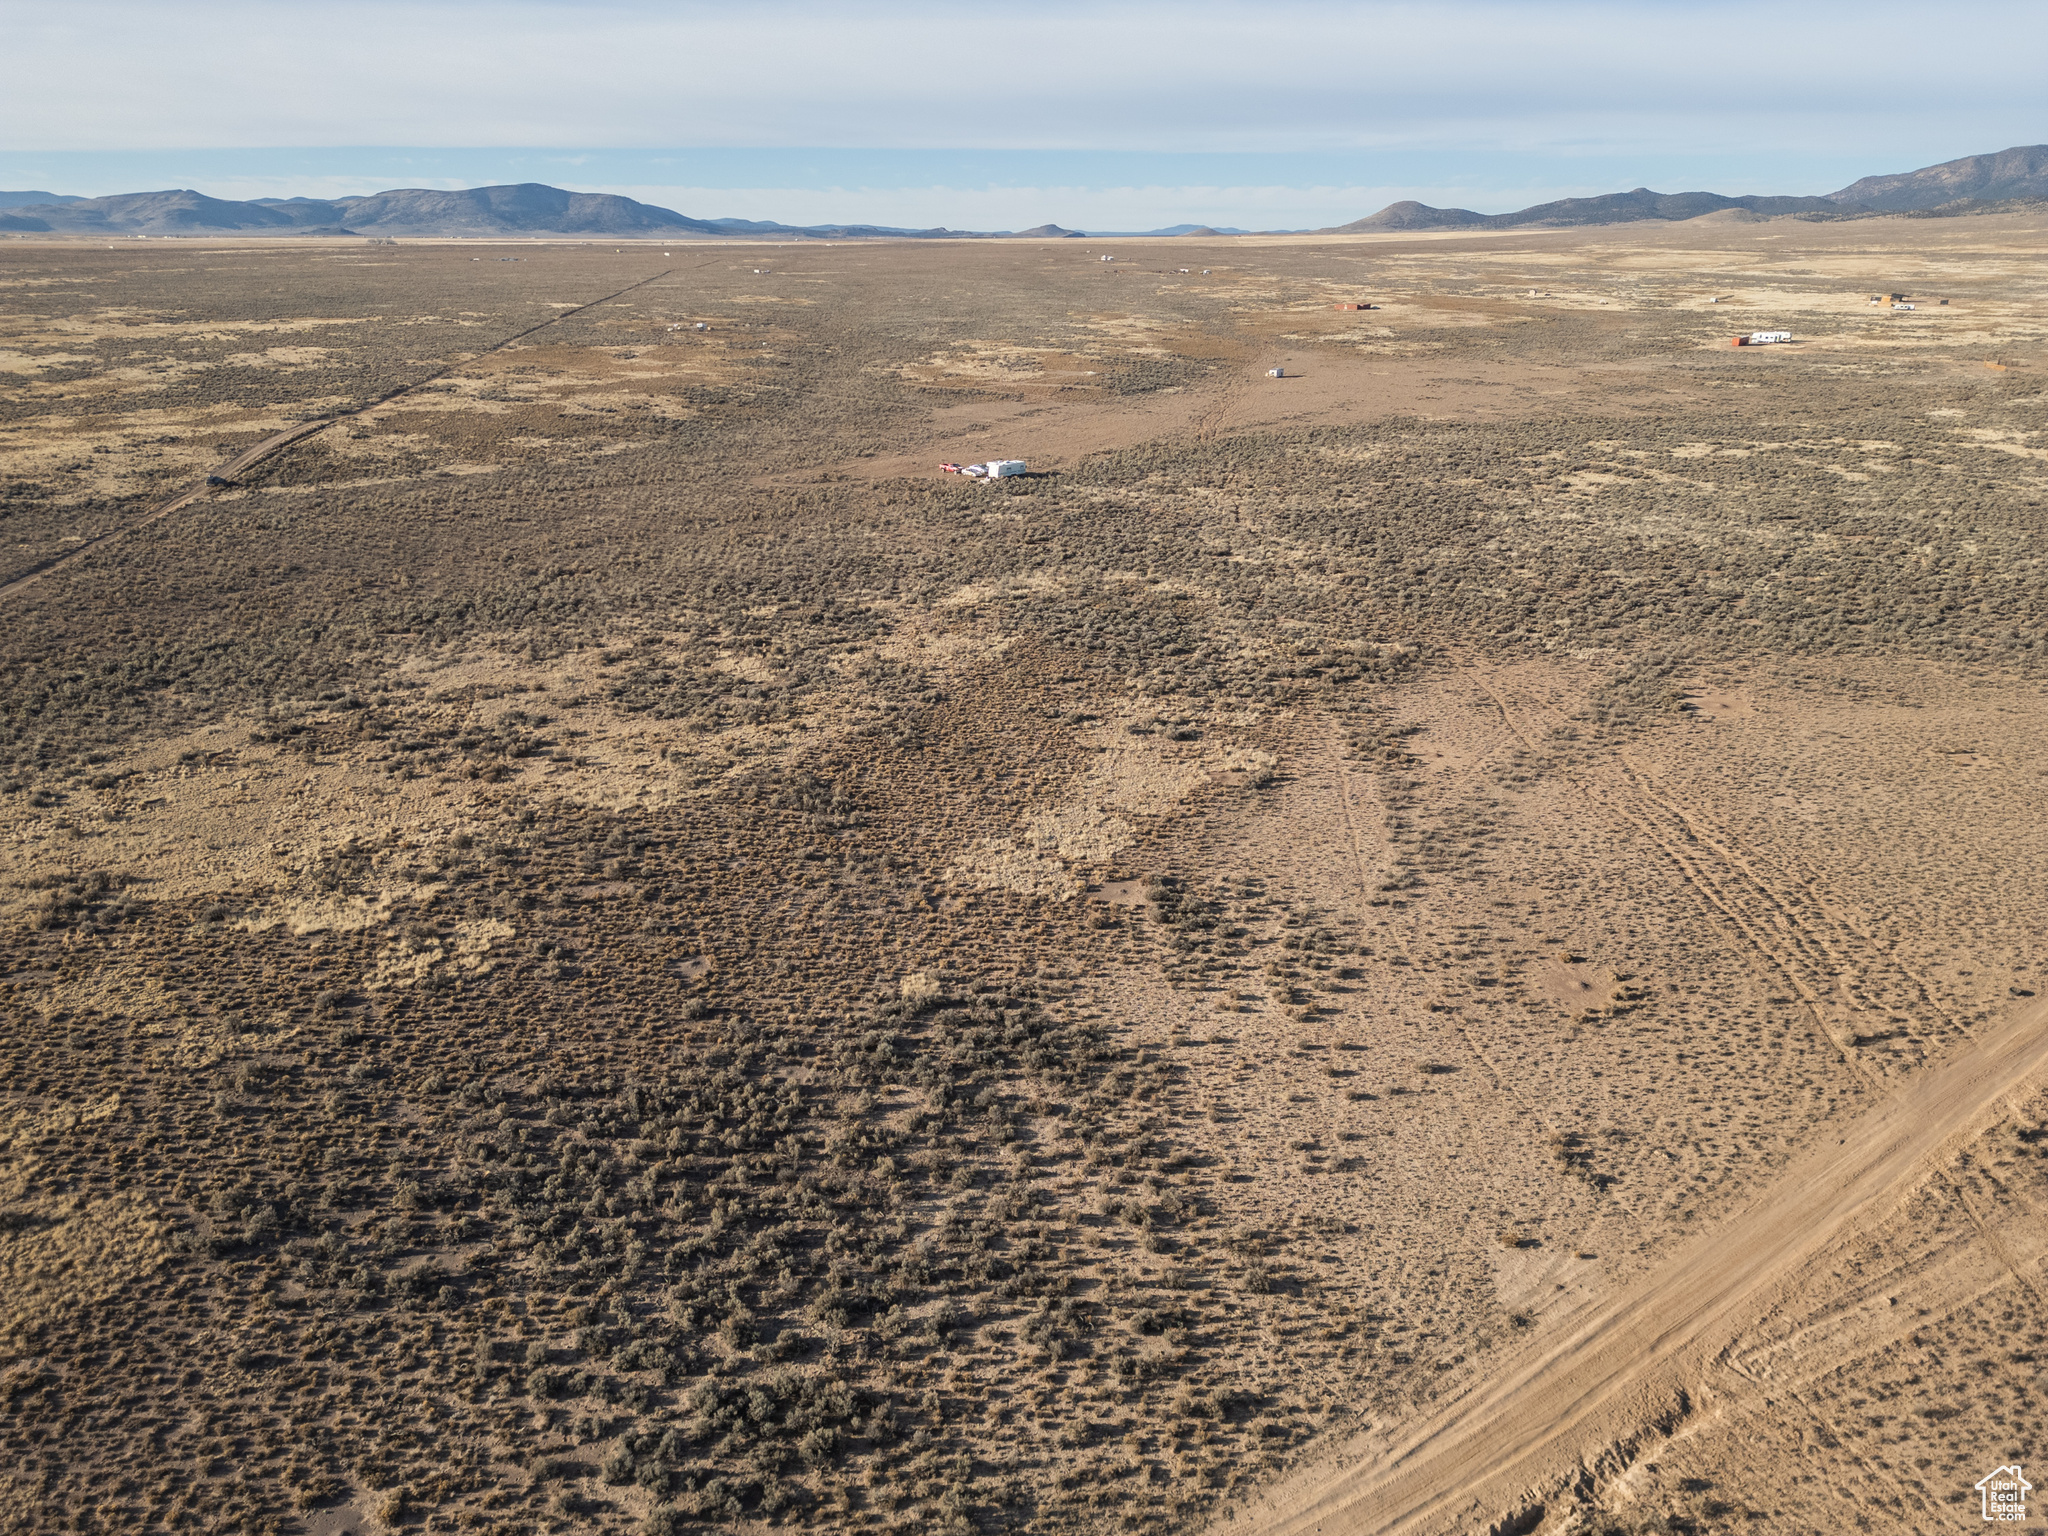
x=1290, y=75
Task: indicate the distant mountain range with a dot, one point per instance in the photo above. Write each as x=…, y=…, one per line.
x=1612, y=208
x=530, y=209
x=2011, y=175
x=1959, y=186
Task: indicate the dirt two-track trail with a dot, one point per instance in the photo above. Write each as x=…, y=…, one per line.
x=1538, y=1419
x=277, y=442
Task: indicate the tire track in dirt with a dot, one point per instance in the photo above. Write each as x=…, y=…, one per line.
x=1829, y=959
x=1797, y=940
x=1808, y=928
x=1992, y=1240
x=1538, y=1421
x=250, y=457
x=1794, y=940
x=1800, y=970
x=1578, y=1406
x=1881, y=1309
x=1507, y=719
x=1437, y=1000
x=1884, y=1304
x=1218, y=415
x=1843, y=1444
x=1787, y=967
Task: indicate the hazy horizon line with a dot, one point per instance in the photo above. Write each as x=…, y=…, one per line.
x=957, y=189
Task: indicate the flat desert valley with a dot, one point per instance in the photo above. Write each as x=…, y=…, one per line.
x=1456, y=940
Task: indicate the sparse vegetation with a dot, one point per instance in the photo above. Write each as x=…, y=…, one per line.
x=690, y=973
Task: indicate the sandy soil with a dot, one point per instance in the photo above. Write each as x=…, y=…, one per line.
x=1445, y=943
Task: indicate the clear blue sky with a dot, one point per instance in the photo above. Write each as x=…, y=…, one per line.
x=1106, y=115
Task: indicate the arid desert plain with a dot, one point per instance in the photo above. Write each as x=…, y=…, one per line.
x=1453, y=941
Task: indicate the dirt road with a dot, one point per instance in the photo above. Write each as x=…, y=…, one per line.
x=1533, y=1421
x=256, y=453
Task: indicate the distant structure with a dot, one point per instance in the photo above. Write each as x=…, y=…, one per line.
x=994, y=469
